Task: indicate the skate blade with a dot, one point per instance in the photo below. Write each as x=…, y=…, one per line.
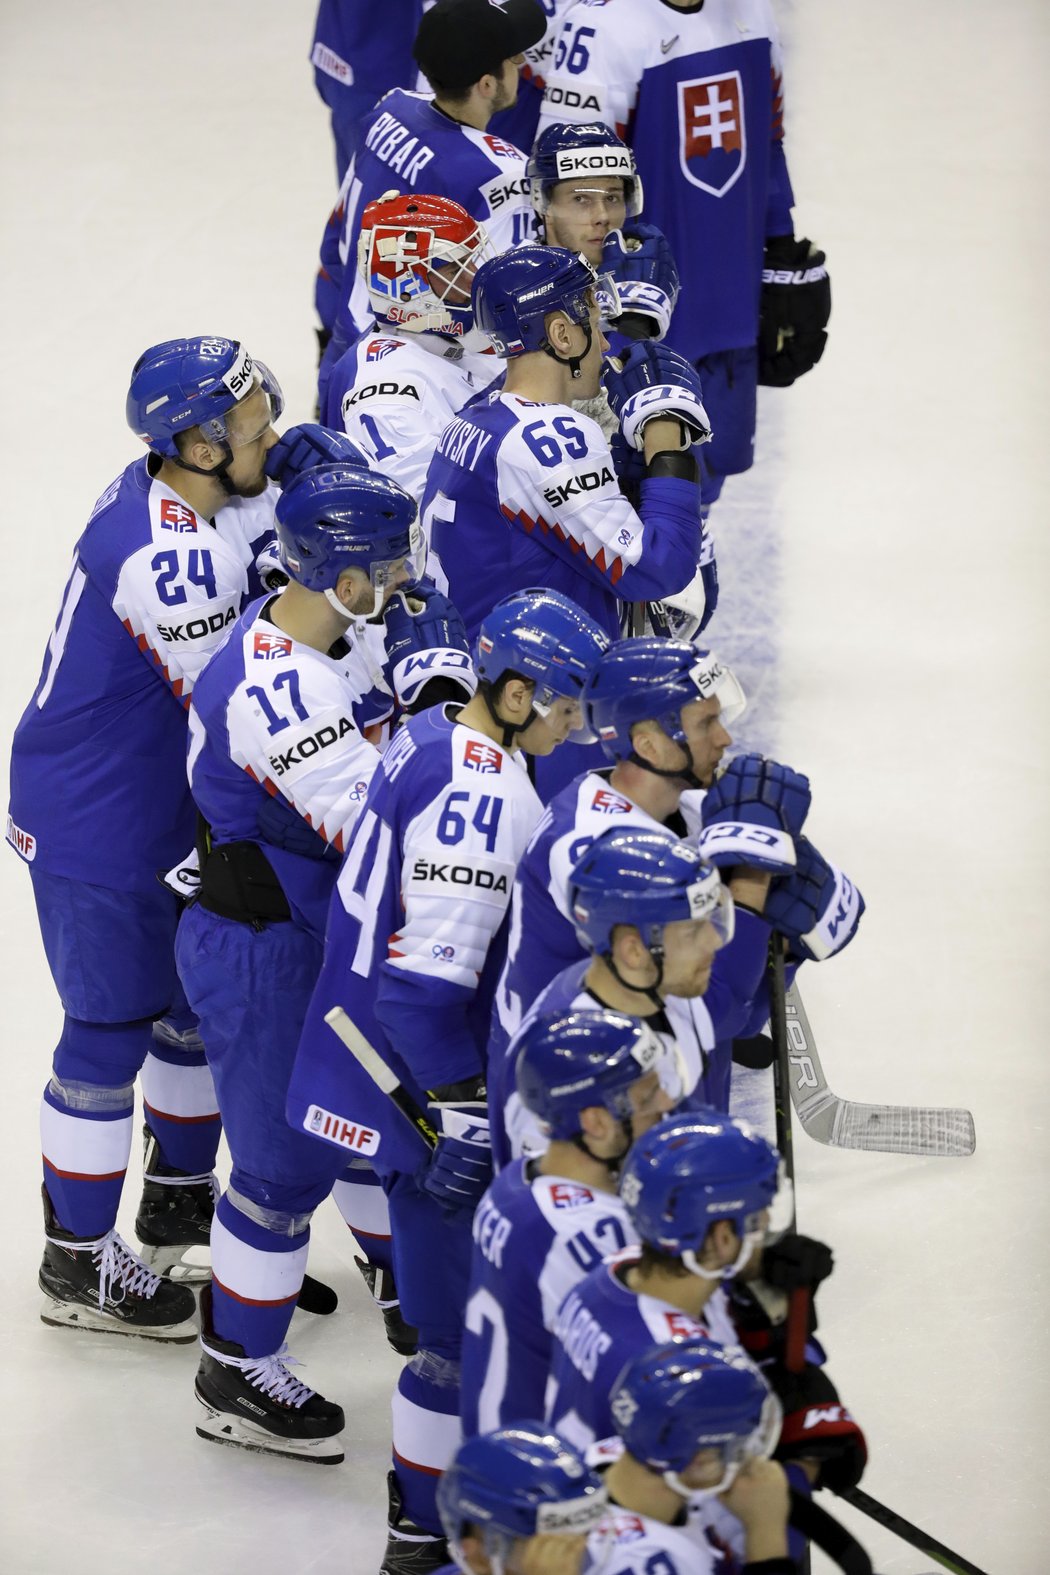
x=220, y=1427
x=74, y=1315
x=181, y=1265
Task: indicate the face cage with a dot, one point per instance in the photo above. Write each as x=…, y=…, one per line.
x=758, y=1445
x=381, y=572
x=421, y=308
x=215, y=428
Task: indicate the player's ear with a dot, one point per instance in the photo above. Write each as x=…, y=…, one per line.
x=643, y=740
x=195, y=449
x=594, y=1122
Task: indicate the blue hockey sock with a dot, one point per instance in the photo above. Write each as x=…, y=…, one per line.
x=180, y=1106
x=85, y=1137
x=426, y=1433
x=257, y=1273
x=361, y=1201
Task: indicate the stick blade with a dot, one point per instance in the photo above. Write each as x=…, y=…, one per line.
x=937, y=1133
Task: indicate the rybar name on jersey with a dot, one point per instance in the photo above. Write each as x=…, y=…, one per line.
x=387, y=140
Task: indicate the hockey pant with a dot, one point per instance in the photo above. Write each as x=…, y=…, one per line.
x=432, y=1256
x=729, y=379
x=111, y=955
x=250, y=989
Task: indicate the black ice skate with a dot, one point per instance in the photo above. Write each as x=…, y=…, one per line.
x=100, y=1285
x=383, y=1292
x=174, y=1218
x=409, y=1549
x=255, y=1403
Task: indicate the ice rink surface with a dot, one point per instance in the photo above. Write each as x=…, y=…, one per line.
x=166, y=170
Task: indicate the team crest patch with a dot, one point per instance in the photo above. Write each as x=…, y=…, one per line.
x=607, y=803
x=482, y=757
x=378, y=348
x=268, y=646
x=712, y=147
x=176, y=516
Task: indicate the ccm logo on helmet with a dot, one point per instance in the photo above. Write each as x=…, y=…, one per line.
x=238, y=378
x=592, y=161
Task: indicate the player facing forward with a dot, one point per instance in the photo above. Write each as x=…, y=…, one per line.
x=594, y=1081
x=100, y=804
x=275, y=725
x=397, y=387
x=412, y=950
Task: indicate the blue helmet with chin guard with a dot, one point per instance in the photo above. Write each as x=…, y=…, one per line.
x=520, y=1481
x=652, y=680
x=337, y=517
x=691, y=1171
x=185, y=383
x=646, y=878
x=513, y=294
x=676, y=1399
x=574, y=152
x=569, y=1061
x=543, y=636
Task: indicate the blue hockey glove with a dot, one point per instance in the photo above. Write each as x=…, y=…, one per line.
x=459, y=1170
x=307, y=445
x=641, y=262
x=425, y=639
x=283, y=827
x=794, y=311
x=649, y=381
x=270, y=569
x=753, y=814
x=817, y=907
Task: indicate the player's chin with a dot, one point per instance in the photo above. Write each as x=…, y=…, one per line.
x=253, y=489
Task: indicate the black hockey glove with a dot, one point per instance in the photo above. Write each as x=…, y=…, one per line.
x=818, y=1427
x=796, y=305
x=796, y=1263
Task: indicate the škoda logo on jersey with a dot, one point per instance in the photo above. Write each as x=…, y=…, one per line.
x=267, y=647
x=176, y=516
x=712, y=147
x=482, y=757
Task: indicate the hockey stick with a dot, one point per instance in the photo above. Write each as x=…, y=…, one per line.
x=884, y=1129
x=908, y=1533
x=372, y=1062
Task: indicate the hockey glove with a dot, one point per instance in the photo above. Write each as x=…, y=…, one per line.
x=753, y=813
x=817, y=907
x=425, y=640
x=271, y=571
x=283, y=827
x=308, y=445
x=684, y=615
x=652, y=381
x=640, y=260
x=794, y=312
x=796, y=1262
x=459, y=1170
x=818, y=1427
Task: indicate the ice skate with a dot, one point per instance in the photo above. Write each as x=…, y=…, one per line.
x=173, y=1223
x=100, y=1285
x=256, y=1403
x=399, y=1334
x=409, y=1549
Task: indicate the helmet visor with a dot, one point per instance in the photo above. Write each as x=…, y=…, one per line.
x=387, y=574
x=262, y=378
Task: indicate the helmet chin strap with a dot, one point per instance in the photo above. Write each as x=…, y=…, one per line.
x=688, y=776
x=614, y=1162
x=573, y=362
x=652, y=991
x=747, y=1245
x=509, y=728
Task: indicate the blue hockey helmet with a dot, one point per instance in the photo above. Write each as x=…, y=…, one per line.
x=337, y=517
x=692, y=1170
x=568, y=1061
x=645, y=878
x=185, y=383
x=676, y=1399
x=651, y=680
x=514, y=293
x=573, y=152
x=543, y=636
x=517, y=1482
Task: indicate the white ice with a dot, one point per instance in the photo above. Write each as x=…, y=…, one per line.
x=166, y=170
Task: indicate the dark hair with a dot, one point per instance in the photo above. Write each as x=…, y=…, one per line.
x=457, y=93
x=653, y=1259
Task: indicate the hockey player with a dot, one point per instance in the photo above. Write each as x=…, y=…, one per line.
x=356, y=62
x=412, y=951
x=588, y=198
x=520, y=1501
x=274, y=717
x=470, y=51
x=100, y=804
x=696, y=91
x=594, y=1081
x=661, y=710
x=698, y=1190
x=397, y=387
x=696, y=1429
x=653, y=915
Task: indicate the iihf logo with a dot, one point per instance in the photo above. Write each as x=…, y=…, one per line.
x=482, y=757
x=176, y=516
x=712, y=148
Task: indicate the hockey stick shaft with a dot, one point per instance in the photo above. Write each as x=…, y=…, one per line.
x=369, y=1059
x=932, y=1131
x=781, y=1063
x=927, y=1545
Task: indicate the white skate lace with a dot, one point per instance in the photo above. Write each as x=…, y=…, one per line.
x=116, y=1264
x=268, y=1373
